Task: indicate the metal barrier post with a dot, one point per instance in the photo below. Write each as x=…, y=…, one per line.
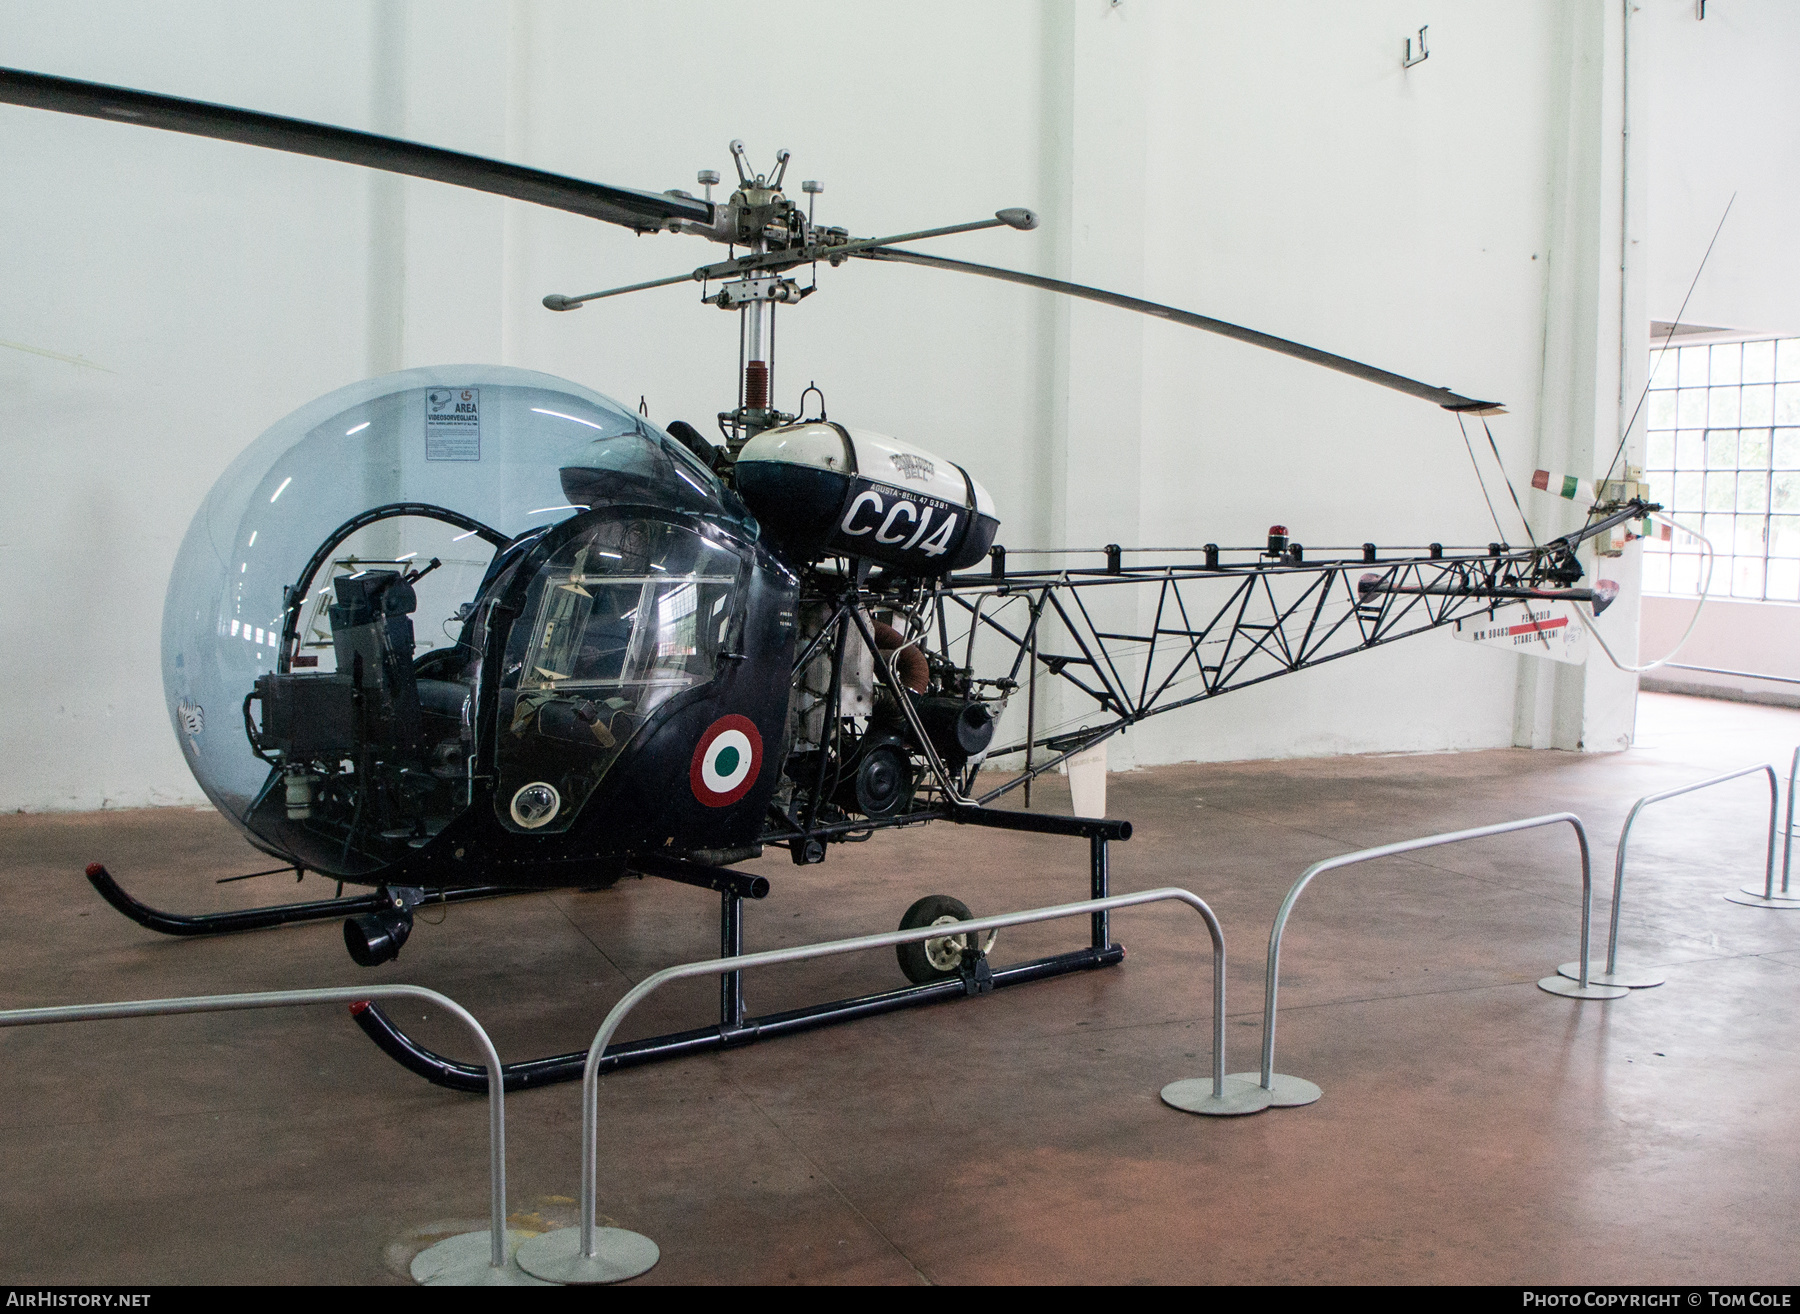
x=474, y=1258
x=1787, y=832
x=593, y=1254
x=1288, y=1092
x=1766, y=897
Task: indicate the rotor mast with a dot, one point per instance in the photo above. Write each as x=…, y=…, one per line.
x=764, y=220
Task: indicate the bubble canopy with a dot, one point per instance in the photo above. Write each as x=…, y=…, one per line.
x=512, y=449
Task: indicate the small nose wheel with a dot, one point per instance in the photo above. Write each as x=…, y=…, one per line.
x=939, y=958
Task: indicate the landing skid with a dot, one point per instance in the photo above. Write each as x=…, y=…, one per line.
x=452, y=1075
x=256, y=919
x=734, y=1028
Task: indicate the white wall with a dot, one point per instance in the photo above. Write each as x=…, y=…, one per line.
x=1756, y=638
x=1270, y=164
x=1395, y=215
x=1725, y=121
x=1459, y=222
x=212, y=289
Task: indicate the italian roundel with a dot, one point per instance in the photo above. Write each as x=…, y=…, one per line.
x=726, y=761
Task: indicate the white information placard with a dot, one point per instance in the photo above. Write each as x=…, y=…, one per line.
x=1538, y=629
x=453, y=424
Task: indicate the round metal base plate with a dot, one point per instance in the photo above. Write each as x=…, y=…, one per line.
x=1195, y=1095
x=1751, y=896
x=1284, y=1092
x=556, y=1256
x=1630, y=978
x=1559, y=985
x=467, y=1261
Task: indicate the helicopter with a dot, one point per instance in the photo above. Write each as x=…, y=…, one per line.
x=463, y=631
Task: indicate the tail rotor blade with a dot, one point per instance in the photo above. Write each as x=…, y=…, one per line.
x=1449, y=400
x=643, y=211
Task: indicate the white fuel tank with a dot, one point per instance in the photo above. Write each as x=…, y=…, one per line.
x=821, y=489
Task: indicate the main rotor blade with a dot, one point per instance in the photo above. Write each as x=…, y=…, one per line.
x=643, y=211
x=1450, y=401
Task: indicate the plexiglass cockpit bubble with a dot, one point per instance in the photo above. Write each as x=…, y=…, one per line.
x=351, y=499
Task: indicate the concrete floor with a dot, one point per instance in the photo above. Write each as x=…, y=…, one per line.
x=1473, y=1128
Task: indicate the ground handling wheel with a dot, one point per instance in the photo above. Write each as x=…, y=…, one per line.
x=939, y=959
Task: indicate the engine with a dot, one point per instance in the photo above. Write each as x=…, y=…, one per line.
x=863, y=760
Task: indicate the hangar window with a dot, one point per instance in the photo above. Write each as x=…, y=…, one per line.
x=1724, y=453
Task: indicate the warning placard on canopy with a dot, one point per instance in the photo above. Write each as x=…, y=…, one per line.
x=453, y=424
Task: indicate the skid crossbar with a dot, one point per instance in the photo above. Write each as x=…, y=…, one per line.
x=353, y=995
x=735, y=964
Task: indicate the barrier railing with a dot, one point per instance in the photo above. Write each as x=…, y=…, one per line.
x=1765, y=896
x=592, y=1254
x=1286, y=1091
x=474, y=1257
x=1608, y=973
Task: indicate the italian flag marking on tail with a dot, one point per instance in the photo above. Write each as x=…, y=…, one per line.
x=1561, y=485
x=1648, y=528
